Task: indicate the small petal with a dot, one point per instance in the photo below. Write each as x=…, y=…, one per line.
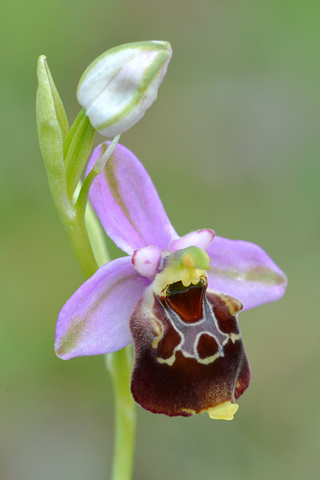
x=127, y=203
x=200, y=238
x=92, y=322
x=245, y=271
x=146, y=260
x=122, y=83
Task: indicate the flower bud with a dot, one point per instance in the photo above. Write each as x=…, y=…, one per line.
x=122, y=83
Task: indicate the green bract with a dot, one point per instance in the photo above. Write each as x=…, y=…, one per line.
x=52, y=127
x=64, y=151
x=122, y=83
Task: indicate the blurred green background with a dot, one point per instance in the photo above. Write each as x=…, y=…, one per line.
x=232, y=143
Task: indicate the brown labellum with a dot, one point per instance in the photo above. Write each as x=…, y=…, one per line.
x=189, y=355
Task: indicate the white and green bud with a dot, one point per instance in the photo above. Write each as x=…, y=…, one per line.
x=122, y=83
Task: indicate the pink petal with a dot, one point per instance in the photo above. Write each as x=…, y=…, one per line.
x=127, y=202
x=146, y=260
x=95, y=319
x=200, y=238
x=245, y=271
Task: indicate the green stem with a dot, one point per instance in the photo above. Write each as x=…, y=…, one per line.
x=119, y=366
x=78, y=235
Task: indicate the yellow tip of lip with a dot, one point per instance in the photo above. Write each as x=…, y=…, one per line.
x=224, y=411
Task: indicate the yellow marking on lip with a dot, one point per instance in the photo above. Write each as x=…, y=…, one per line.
x=169, y=361
x=233, y=304
x=188, y=410
x=234, y=337
x=207, y=360
x=156, y=341
x=158, y=330
x=224, y=411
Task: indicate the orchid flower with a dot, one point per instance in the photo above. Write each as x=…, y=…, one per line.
x=176, y=298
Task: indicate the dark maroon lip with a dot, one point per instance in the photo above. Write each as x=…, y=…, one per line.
x=189, y=355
